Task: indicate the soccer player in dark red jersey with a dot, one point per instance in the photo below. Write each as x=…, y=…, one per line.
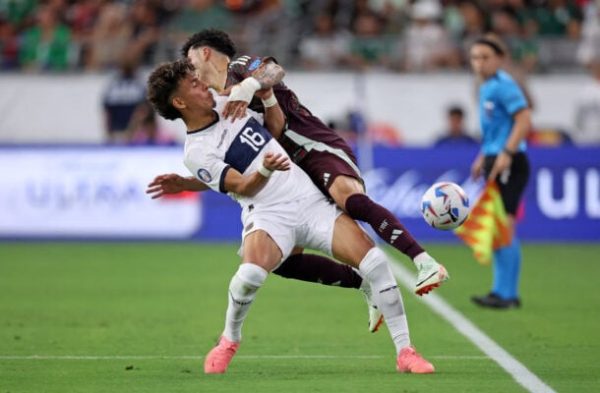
x=316, y=148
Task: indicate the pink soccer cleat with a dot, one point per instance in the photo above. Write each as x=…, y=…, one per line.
x=409, y=361
x=218, y=359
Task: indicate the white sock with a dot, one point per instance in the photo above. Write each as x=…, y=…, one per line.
x=374, y=267
x=364, y=285
x=422, y=258
x=242, y=291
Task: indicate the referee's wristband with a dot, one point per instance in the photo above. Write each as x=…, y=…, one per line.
x=269, y=102
x=510, y=152
x=264, y=171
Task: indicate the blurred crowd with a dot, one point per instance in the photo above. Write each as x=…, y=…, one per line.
x=398, y=35
x=328, y=35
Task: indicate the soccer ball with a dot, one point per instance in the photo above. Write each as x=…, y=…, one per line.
x=445, y=206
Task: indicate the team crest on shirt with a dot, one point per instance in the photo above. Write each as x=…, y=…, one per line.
x=204, y=175
x=254, y=65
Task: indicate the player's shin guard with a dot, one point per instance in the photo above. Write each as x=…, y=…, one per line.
x=386, y=295
x=384, y=223
x=242, y=291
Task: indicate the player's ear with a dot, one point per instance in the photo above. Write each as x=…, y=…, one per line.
x=178, y=103
x=206, y=53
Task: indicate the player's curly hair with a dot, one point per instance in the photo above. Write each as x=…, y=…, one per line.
x=163, y=82
x=213, y=38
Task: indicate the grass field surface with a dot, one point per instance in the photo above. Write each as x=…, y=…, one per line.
x=106, y=317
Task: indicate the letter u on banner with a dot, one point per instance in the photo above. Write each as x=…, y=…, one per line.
x=565, y=207
x=592, y=193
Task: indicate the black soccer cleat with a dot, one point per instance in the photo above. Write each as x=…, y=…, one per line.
x=492, y=300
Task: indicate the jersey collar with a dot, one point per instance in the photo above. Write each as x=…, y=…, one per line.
x=217, y=117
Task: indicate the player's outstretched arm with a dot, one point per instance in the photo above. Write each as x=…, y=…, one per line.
x=250, y=185
x=274, y=117
x=173, y=184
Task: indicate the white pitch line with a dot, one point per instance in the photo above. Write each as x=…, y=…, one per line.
x=196, y=357
x=512, y=366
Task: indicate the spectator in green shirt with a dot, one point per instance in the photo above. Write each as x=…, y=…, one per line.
x=47, y=44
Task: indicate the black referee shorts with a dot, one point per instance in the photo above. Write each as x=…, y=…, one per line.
x=513, y=185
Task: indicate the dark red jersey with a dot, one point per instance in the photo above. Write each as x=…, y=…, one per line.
x=299, y=118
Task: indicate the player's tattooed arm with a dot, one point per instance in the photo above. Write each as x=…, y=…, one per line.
x=269, y=74
x=266, y=76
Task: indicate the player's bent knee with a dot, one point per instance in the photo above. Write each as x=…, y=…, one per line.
x=260, y=249
x=350, y=242
x=362, y=241
x=366, y=239
x=344, y=187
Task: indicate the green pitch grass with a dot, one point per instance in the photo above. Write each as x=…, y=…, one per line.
x=139, y=317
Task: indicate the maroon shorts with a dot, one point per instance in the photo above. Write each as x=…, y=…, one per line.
x=323, y=168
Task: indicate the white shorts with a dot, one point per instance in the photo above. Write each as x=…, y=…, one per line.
x=306, y=223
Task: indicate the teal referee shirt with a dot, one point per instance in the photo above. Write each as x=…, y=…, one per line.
x=499, y=99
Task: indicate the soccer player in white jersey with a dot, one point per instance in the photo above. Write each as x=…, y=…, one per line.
x=281, y=208
x=323, y=155
x=317, y=149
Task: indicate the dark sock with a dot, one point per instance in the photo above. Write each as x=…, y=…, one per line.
x=315, y=268
x=384, y=223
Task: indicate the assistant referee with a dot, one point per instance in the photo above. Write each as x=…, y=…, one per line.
x=505, y=118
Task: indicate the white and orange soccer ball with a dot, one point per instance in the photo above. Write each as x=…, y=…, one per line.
x=445, y=206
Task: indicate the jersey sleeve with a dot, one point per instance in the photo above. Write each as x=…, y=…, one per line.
x=512, y=97
x=209, y=169
x=243, y=67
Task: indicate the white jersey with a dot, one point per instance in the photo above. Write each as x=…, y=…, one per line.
x=242, y=144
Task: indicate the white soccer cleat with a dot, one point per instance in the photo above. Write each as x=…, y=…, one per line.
x=375, y=316
x=430, y=275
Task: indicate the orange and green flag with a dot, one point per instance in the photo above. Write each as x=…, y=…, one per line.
x=487, y=228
